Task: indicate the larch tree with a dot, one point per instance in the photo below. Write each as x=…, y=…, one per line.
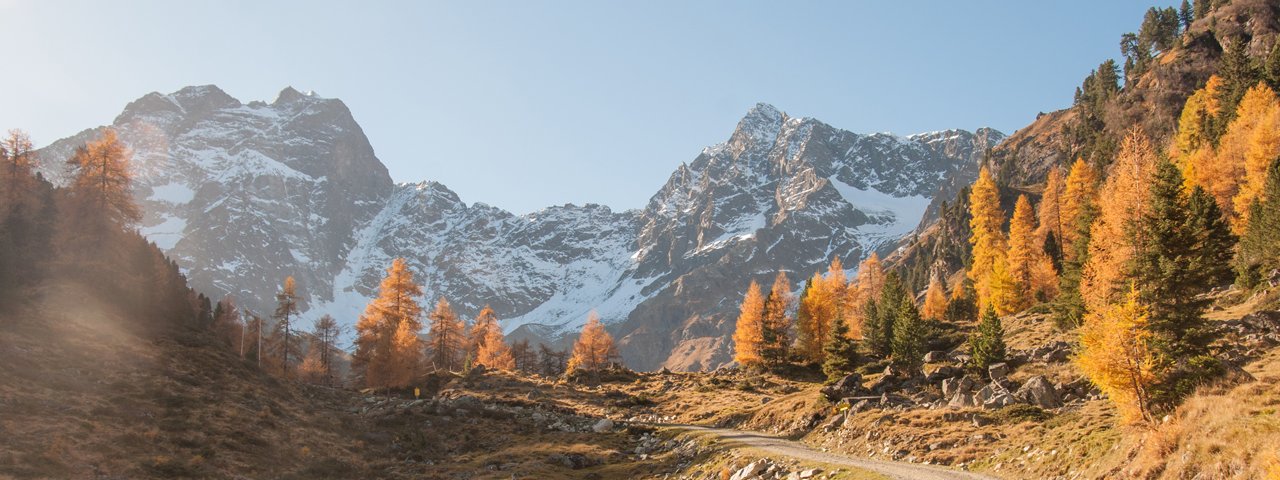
x=935, y=300
x=491, y=348
x=777, y=322
x=377, y=355
x=17, y=163
x=286, y=311
x=446, y=338
x=748, y=334
x=987, y=238
x=1031, y=267
x=1196, y=123
x=1049, y=214
x=1235, y=174
x=1123, y=200
x=102, y=182
x=1259, y=251
x=485, y=320
x=324, y=344
x=406, y=347
x=1115, y=355
x=865, y=287
x=1080, y=192
x=594, y=349
x=822, y=303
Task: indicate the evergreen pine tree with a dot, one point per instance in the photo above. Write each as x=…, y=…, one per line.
x=986, y=345
x=1172, y=264
x=1259, y=253
x=910, y=336
x=1185, y=15
x=777, y=324
x=841, y=352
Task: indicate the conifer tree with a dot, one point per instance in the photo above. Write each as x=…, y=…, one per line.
x=324, y=348
x=1122, y=202
x=881, y=314
x=1235, y=174
x=102, y=183
x=823, y=301
x=777, y=323
x=380, y=357
x=494, y=352
x=864, y=288
x=935, y=301
x=987, y=238
x=910, y=337
x=594, y=349
x=1115, y=355
x=1081, y=190
x=485, y=320
x=1026, y=258
x=841, y=352
x=1260, y=245
x=748, y=335
x=446, y=338
x=286, y=309
x=17, y=163
x=962, y=307
x=1049, y=212
x=1180, y=258
x=1069, y=307
x=986, y=345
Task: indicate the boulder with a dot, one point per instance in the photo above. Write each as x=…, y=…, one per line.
x=935, y=356
x=751, y=470
x=602, y=426
x=961, y=400
x=849, y=386
x=935, y=375
x=883, y=384
x=1039, y=392
x=999, y=400
x=998, y=372
x=951, y=386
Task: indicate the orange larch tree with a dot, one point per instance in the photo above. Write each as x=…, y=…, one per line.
x=594, y=349
x=777, y=322
x=446, y=338
x=935, y=300
x=748, y=334
x=491, y=349
x=1049, y=213
x=1081, y=190
x=1122, y=202
x=378, y=356
x=989, y=243
x=1115, y=354
x=103, y=180
x=822, y=303
x=865, y=287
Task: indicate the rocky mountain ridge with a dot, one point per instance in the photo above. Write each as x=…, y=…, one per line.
x=242, y=195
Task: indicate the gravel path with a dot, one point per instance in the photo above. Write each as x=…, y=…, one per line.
x=789, y=448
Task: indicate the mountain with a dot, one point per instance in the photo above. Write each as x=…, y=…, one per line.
x=242, y=195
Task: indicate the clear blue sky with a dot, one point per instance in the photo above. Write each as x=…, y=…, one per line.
x=525, y=104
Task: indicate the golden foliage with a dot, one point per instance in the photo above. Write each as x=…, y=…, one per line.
x=748, y=335
x=935, y=300
x=491, y=346
x=1115, y=356
x=1122, y=202
x=865, y=286
x=822, y=303
x=1050, y=210
x=102, y=182
x=380, y=330
x=594, y=349
x=1029, y=266
x=446, y=338
x=777, y=323
x=1200, y=110
x=1081, y=190
x=989, y=243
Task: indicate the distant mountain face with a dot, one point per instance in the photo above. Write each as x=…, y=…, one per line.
x=242, y=195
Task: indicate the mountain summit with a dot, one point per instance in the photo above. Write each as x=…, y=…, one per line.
x=242, y=195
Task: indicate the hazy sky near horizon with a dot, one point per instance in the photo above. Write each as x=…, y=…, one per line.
x=523, y=104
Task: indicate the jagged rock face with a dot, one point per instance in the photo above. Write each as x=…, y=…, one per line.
x=242, y=195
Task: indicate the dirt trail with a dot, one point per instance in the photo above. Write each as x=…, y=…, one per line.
x=784, y=447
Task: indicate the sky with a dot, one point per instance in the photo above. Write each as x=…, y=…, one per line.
x=524, y=105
